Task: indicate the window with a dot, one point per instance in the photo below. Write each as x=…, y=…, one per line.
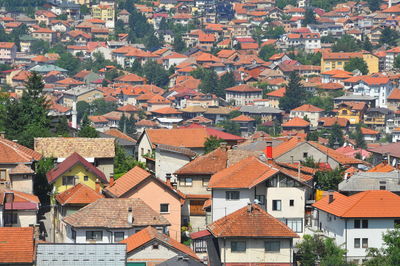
x=261, y=199
x=295, y=224
x=356, y=223
x=205, y=182
x=365, y=243
x=10, y=218
x=200, y=245
x=3, y=173
x=232, y=195
x=73, y=235
x=305, y=154
x=185, y=182
x=356, y=243
x=276, y=205
x=85, y=178
x=364, y=223
x=291, y=203
x=272, y=246
x=382, y=187
x=68, y=180
x=94, y=235
x=238, y=246
x=119, y=236
x=155, y=246
x=164, y=207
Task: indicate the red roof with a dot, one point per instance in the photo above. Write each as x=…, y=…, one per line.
x=127, y=182
x=244, y=88
x=78, y=195
x=254, y=223
x=367, y=204
x=277, y=93
x=308, y=108
x=16, y=245
x=296, y=122
x=70, y=162
x=6, y=45
x=243, y=118
x=12, y=152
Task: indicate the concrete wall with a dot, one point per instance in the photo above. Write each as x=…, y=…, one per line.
x=144, y=147
x=18, y=183
x=26, y=218
x=108, y=235
x=255, y=251
x=150, y=254
x=197, y=184
x=222, y=207
x=106, y=165
x=168, y=162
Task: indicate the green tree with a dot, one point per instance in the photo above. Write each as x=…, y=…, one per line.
x=84, y=10
x=227, y=80
x=179, y=45
x=357, y=63
x=329, y=180
x=40, y=47
x=396, y=63
x=336, y=136
x=295, y=93
x=101, y=107
x=325, y=103
x=86, y=130
x=62, y=127
x=309, y=17
x=233, y=114
x=212, y=143
x=123, y=162
x=389, y=254
x=367, y=45
x=389, y=37
x=152, y=42
x=282, y=3
x=274, y=32
x=346, y=43
x=27, y=118
x=359, y=138
x=374, y=5
x=209, y=81
x=230, y=127
x=267, y=51
x=155, y=74
x=4, y=98
x=82, y=107
x=136, y=67
x=69, y=62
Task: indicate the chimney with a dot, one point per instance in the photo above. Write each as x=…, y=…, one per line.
x=268, y=150
x=130, y=216
x=249, y=207
x=2, y=134
x=98, y=186
x=112, y=180
x=224, y=146
x=168, y=180
x=330, y=194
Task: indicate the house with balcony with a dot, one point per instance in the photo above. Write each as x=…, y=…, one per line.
x=352, y=111
x=8, y=52
x=376, y=117
x=243, y=94
x=376, y=87
x=357, y=222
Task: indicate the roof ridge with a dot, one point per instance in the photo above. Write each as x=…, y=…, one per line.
x=8, y=143
x=364, y=193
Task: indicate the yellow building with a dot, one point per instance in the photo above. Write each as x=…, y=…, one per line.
x=104, y=12
x=332, y=61
x=75, y=170
x=352, y=111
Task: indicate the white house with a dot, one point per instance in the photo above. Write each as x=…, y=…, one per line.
x=242, y=94
x=280, y=191
x=312, y=112
x=8, y=51
x=357, y=222
x=377, y=87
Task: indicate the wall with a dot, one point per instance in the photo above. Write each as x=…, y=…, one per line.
x=153, y=194
x=108, y=236
x=144, y=146
x=255, y=252
x=18, y=183
x=148, y=254
x=168, y=162
x=197, y=184
x=26, y=218
x=106, y=165
x=222, y=207
x=285, y=194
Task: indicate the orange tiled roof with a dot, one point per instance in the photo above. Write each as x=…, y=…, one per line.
x=394, y=95
x=6, y=45
x=367, y=131
x=206, y=164
x=167, y=110
x=308, y=108
x=243, y=118
x=277, y=93
x=285, y=146
x=148, y=234
x=244, y=88
x=382, y=168
x=330, y=121
x=366, y=204
x=130, y=78
x=337, y=156
x=78, y=195
x=296, y=122
x=16, y=245
x=252, y=168
x=11, y=153
x=126, y=182
x=118, y=134
x=254, y=223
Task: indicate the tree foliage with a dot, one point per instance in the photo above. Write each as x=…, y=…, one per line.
x=359, y=138
x=357, y=63
x=309, y=17
x=336, y=136
x=179, y=45
x=41, y=186
x=86, y=130
x=346, y=43
x=329, y=180
x=374, y=5
x=155, y=74
x=230, y=127
x=389, y=37
x=212, y=143
x=389, y=254
x=295, y=94
x=123, y=162
x=267, y=51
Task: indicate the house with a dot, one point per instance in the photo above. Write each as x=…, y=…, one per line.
x=151, y=247
x=70, y=201
x=181, y=261
x=242, y=94
x=377, y=117
x=311, y=112
x=386, y=152
x=192, y=179
x=393, y=99
x=19, y=209
x=44, y=17
x=376, y=87
x=377, y=180
x=332, y=61
x=111, y=221
x=8, y=52
x=138, y=183
x=104, y=12
x=281, y=192
x=357, y=221
x=265, y=113
x=75, y=170
x=80, y=93
x=125, y=141
x=329, y=122
x=352, y=111
x=296, y=124
x=45, y=34
x=99, y=151
x=17, y=246
x=89, y=254
x=246, y=124
x=251, y=236
x=370, y=135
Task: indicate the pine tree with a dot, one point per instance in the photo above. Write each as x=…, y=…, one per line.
x=359, y=137
x=295, y=93
x=336, y=137
x=86, y=130
x=62, y=127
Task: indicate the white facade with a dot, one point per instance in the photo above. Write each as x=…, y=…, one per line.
x=379, y=92
x=242, y=98
x=312, y=116
x=154, y=251
x=108, y=235
x=346, y=235
x=168, y=162
x=144, y=147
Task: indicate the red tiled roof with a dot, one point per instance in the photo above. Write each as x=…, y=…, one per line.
x=254, y=223
x=366, y=204
x=243, y=118
x=394, y=95
x=12, y=152
x=70, y=162
x=296, y=122
x=167, y=110
x=382, y=168
x=308, y=108
x=367, y=131
x=6, y=45
x=148, y=234
x=277, y=93
x=78, y=195
x=243, y=88
x=118, y=134
x=244, y=174
x=330, y=121
x=209, y=163
x=16, y=245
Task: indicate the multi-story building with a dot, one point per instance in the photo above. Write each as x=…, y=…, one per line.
x=8, y=51
x=106, y=13
x=331, y=61
x=242, y=94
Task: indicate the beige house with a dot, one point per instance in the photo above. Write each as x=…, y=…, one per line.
x=242, y=243
x=45, y=34
x=8, y=51
x=242, y=94
x=311, y=112
x=81, y=93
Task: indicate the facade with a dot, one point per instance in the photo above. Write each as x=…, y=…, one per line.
x=242, y=94
x=8, y=52
x=312, y=113
x=332, y=61
x=105, y=12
